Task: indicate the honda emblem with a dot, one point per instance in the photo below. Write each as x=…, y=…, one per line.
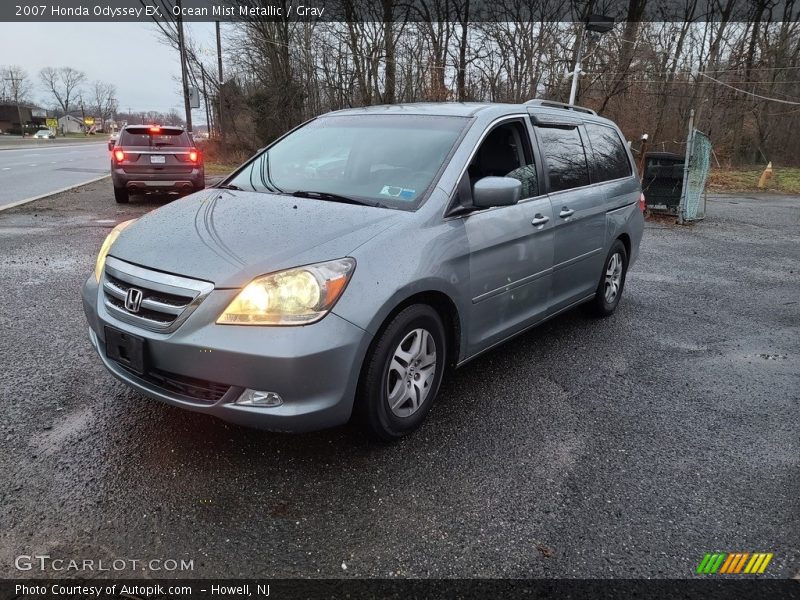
x=133, y=301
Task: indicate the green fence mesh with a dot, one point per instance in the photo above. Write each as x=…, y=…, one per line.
x=694, y=196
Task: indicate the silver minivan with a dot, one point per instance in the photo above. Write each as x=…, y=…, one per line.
x=342, y=269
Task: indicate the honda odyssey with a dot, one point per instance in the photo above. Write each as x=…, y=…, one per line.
x=344, y=267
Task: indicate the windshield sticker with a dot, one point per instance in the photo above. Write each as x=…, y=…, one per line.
x=398, y=192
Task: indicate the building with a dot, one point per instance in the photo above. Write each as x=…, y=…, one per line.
x=32, y=117
x=70, y=124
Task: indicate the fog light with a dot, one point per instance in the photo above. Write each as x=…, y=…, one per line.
x=257, y=398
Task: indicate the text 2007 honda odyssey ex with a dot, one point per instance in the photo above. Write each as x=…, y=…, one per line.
x=345, y=266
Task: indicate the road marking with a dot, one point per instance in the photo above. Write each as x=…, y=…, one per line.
x=6, y=168
x=33, y=165
x=66, y=189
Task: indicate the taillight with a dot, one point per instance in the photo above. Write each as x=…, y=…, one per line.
x=155, y=129
x=642, y=203
x=193, y=155
x=119, y=155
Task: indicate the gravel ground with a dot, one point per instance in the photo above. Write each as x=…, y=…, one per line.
x=624, y=447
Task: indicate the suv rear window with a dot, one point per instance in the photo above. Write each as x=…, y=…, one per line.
x=609, y=155
x=564, y=157
x=143, y=136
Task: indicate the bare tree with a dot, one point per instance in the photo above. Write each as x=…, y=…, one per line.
x=16, y=87
x=728, y=60
x=63, y=84
x=104, y=100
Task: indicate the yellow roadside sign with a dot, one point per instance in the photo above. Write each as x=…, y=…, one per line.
x=51, y=123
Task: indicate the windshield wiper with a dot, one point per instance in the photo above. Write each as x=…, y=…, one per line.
x=330, y=197
x=229, y=186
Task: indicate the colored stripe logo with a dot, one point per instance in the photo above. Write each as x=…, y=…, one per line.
x=733, y=563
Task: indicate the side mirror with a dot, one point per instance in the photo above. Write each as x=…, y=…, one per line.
x=496, y=191
x=111, y=144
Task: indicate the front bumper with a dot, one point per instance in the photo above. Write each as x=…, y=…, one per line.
x=313, y=368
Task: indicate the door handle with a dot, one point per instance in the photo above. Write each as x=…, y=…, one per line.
x=566, y=212
x=539, y=219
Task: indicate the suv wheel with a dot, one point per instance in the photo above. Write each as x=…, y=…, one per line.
x=402, y=373
x=121, y=195
x=612, y=281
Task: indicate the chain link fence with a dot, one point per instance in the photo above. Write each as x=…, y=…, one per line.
x=693, y=197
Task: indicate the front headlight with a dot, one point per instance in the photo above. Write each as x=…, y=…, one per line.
x=106, y=247
x=293, y=297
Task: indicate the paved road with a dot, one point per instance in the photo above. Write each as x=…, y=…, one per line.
x=10, y=141
x=33, y=171
x=623, y=447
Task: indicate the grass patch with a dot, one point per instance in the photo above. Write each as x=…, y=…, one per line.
x=214, y=168
x=785, y=180
x=96, y=136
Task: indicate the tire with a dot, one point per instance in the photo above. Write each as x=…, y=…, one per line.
x=121, y=195
x=607, y=298
x=418, y=331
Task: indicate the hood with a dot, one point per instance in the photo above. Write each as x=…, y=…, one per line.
x=229, y=237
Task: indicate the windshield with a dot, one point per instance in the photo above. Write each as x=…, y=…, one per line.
x=387, y=160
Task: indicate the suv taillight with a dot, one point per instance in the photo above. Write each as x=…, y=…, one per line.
x=642, y=203
x=193, y=156
x=119, y=155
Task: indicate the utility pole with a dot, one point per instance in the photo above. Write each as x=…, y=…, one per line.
x=219, y=88
x=205, y=100
x=598, y=24
x=686, y=157
x=83, y=115
x=574, y=89
x=15, y=88
x=184, y=81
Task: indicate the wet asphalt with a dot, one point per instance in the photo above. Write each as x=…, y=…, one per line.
x=624, y=447
x=33, y=169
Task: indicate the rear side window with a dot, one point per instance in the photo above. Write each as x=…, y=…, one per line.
x=608, y=153
x=564, y=157
x=141, y=136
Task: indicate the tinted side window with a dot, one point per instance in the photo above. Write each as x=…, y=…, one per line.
x=564, y=157
x=610, y=158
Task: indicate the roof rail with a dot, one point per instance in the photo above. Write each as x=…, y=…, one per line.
x=553, y=104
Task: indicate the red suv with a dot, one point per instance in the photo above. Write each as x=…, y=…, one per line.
x=151, y=158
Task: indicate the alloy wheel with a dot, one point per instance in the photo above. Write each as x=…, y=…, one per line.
x=411, y=373
x=613, y=277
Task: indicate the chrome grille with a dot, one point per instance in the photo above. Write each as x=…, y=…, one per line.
x=166, y=300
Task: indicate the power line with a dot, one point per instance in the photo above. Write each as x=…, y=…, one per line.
x=688, y=82
x=693, y=72
x=751, y=93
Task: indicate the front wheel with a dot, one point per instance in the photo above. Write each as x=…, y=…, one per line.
x=612, y=281
x=402, y=373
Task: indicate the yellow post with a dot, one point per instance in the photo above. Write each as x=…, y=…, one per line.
x=765, y=176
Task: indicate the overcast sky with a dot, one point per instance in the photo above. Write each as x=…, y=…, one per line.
x=129, y=55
